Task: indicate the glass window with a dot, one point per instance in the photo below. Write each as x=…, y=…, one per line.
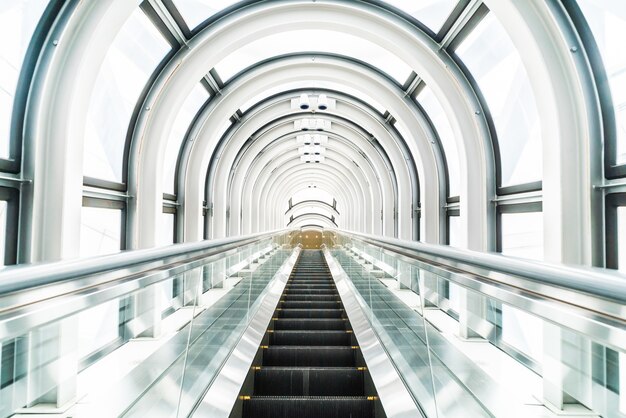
x=3, y=229
x=437, y=115
x=432, y=13
x=522, y=235
x=313, y=40
x=607, y=20
x=187, y=112
x=621, y=238
x=454, y=231
x=18, y=20
x=497, y=67
x=197, y=11
x=166, y=231
x=100, y=231
x=135, y=53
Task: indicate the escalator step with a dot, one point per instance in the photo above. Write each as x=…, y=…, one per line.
x=311, y=291
x=308, y=286
x=293, y=356
x=308, y=297
x=283, y=381
x=313, y=338
x=310, y=407
x=309, y=324
x=310, y=313
x=303, y=304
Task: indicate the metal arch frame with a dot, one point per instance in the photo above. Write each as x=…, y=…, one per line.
x=312, y=202
x=261, y=165
x=399, y=94
x=287, y=166
x=315, y=207
x=372, y=180
x=188, y=205
x=288, y=95
x=454, y=96
x=295, y=183
x=571, y=118
x=345, y=97
x=291, y=168
x=350, y=132
x=286, y=121
x=436, y=204
x=308, y=216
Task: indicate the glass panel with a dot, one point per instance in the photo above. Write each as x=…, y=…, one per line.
x=522, y=331
x=497, y=67
x=135, y=53
x=100, y=231
x=166, y=231
x=438, y=117
x=522, y=235
x=190, y=108
x=607, y=20
x=3, y=229
x=621, y=238
x=313, y=40
x=454, y=231
x=18, y=20
x=97, y=327
x=197, y=11
x=432, y=13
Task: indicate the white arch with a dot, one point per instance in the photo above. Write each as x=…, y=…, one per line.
x=387, y=30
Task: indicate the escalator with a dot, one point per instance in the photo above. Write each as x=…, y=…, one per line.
x=309, y=364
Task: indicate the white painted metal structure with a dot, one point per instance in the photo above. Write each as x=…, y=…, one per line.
x=385, y=164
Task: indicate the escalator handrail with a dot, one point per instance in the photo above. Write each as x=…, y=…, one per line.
x=603, y=283
x=26, y=276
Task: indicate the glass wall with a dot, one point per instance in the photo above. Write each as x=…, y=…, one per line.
x=495, y=64
x=100, y=230
x=130, y=61
x=188, y=111
x=439, y=119
x=197, y=11
x=314, y=40
x=607, y=21
x=18, y=20
x=432, y=13
x=522, y=236
x=3, y=229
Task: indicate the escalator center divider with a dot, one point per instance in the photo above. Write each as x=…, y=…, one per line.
x=309, y=365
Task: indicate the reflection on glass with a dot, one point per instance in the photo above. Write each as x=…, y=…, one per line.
x=100, y=231
x=432, y=13
x=18, y=20
x=190, y=108
x=522, y=235
x=313, y=40
x=607, y=20
x=197, y=11
x=497, y=67
x=136, y=51
x=437, y=115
